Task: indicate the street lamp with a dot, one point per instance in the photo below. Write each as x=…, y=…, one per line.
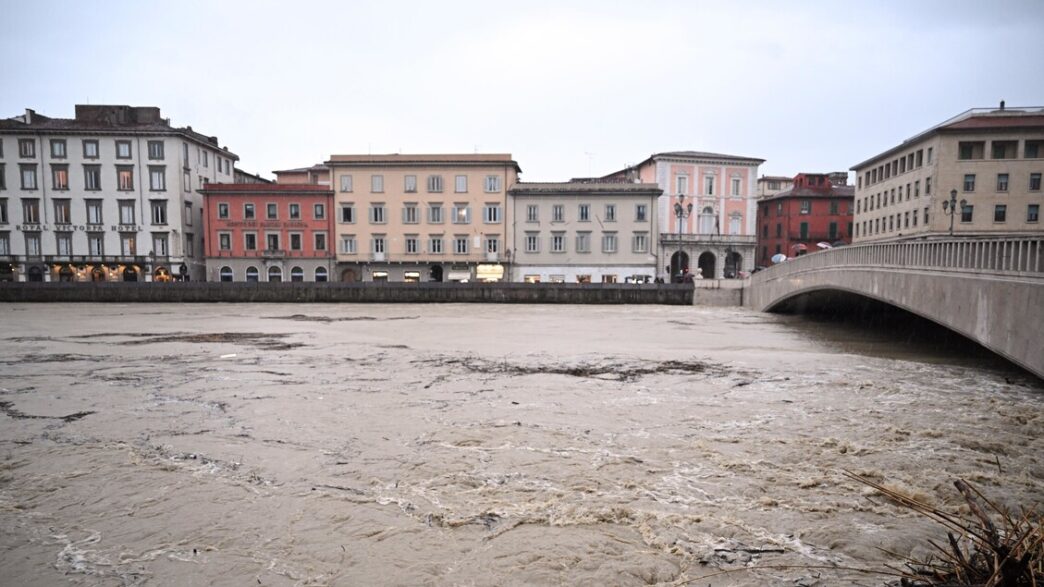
x=950, y=207
x=681, y=211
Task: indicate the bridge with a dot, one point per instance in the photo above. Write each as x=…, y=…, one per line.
x=990, y=290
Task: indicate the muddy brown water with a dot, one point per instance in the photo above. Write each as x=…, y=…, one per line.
x=483, y=445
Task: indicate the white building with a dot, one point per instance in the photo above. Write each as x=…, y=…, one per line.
x=109, y=195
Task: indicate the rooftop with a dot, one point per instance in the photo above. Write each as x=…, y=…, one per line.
x=706, y=155
x=266, y=188
x=585, y=187
x=316, y=167
x=424, y=159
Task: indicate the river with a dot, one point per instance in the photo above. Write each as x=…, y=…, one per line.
x=242, y=444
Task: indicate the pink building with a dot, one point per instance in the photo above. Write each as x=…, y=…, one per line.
x=707, y=212
x=268, y=232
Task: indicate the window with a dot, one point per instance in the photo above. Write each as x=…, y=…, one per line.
x=492, y=184
x=532, y=242
x=736, y=182
x=460, y=184
x=222, y=210
x=460, y=244
x=96, y=244
x=411, y=244
x=970, y=150
x=123, y=149
x=435, y=213
x=583, y=242
x=60, y=177
x=917, y=188
x=377, y=214
x=156, y=150
x=295, y=241
x=206, y=159
x=557, y=213
x=833, y=207
x=557, y=242
x=1034, y=183
x=1033, y=213
x=158, y=179
x=640, y=212
x=806, y=206
x=926, y=211
x=160, y=244
x=248, y=211
x=492, y=245
x=58, y=148
x=346, y=183
x=377, y=184
x=319, y=241
x=126, y=212
x=1033, y=149
x=128, y=244
x=435, y=244
x=969, y=182
x=295, y=211
x=250, y=241
x=1000, y=213
x=927, y=186
x=764, y=231
x=319, y=211
x=3, y=180
x=735, y=223
x=5, y=243
x=640, y=242
x=187, y=179
x=491, y=214
x=966, y=212
x=347, y=213
x=461, y=214
x=410, y=214
x=1002, y=182
x=1005, y=149
x=609, y=242
x=532, y=213
x=779, y=230
x=804, y=231
x=272, y=242
x=682, y=184
x=226, y=273
x=28, y=173
x=159, y=211
x=832, y=231
x=610, y=212
x=32, y=244
x=30, y=210
x=409, y=184
x=584, y=212
x=94, y=211
x=251, y=274
x=271, y=211
x=124, y=178
x=224, y=241
x=348, y=246
x=27, y=148
x=434, y=183
x=90, y=149
x=321, y=274
x=3, y=211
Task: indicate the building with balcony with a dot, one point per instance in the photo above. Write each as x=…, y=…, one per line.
x=706, y=214
x=108, y=195
x=422, y=217
x=817, y=209
x=268, y=232
x=987, y=161
x=584, y=232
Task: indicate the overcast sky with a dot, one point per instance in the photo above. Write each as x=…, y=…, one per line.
x=569, y=88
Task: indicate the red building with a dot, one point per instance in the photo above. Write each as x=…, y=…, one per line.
x=818, y=209
x=268, y=232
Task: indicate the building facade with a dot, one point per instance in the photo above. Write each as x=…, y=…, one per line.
x=268, y=232
x=422, y=217
x=109, y=195
x=770, y=185
x=707, y=213
x=989, y=160
x=316, y=175
x=817, y=209
x=584, y=232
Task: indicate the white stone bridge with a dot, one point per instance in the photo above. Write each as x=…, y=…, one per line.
x=989, y=290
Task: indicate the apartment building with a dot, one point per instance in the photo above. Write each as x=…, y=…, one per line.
x=422, y=217
x=987, y=161
x=584, y=232
x=108, y=195
x=268, y=232
x=707, y=211
x=817, y=209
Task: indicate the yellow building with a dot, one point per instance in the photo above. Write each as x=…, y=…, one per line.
x=422, y=217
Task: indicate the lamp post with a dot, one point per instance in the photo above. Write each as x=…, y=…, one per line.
x=681, y=211
x=950, y=207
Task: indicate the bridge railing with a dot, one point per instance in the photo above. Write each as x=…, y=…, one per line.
x=1016, y=256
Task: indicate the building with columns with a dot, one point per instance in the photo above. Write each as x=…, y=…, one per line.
x=707, y=213
x=109, y=195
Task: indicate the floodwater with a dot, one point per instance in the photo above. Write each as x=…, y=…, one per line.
x=484, y=445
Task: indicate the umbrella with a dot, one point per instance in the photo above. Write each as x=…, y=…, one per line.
x=799, y=247
x=779, y=258
x=824, y=245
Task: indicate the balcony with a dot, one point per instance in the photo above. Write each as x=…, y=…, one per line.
x=273, y=253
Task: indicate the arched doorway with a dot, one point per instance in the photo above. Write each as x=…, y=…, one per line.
x=733, y=264
x=436, y=272
x=348, y=276
x=130, y=274
x=679, y=265
x=275, y=275
x=65, y=273
x=98, y=274
x=35, y=273
x=706, y=264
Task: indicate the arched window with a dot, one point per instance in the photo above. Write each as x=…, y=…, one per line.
x=297, y=274
x=735, y=223
x=275, y=274
x=320, y=274
x=251, y=274
x=707, y=221
x=226, y=273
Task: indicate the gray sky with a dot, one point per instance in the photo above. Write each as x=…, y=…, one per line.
x=569, y=88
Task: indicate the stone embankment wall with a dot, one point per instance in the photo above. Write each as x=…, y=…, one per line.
x=504, y=293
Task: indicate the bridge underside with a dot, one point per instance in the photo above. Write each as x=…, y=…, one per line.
x=1000, y=313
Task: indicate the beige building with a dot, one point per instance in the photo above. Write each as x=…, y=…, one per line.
x=421, y=217
x=770, y=185
x=584, y=232
x=988, y=162
x=318, y=174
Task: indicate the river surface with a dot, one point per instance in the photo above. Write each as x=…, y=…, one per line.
x=279, y=444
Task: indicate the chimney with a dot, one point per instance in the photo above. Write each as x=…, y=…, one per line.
x=1002, y=105
x=29, y=115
